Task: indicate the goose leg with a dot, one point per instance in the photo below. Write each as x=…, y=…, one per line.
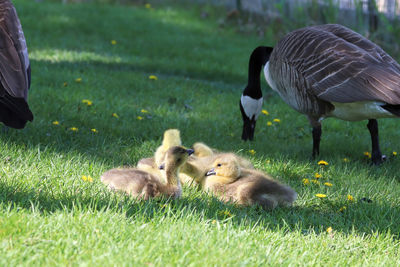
x=316, y=134
x=376, y=154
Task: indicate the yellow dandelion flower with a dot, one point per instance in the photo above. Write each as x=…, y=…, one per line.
x=277, y=120
x=148, y=6
x=74, y=129
x=84, y=177
x=350, y=198
x=317, y=175
x=56, y=123
x=87, y=102
x=265, y=112
x=367, y=154
x=346, y=160
x=342, y=209
x=306, y=181
x=78, y=80
x=394, y=153
x=252, y=152
x=329, y=230
x=328, y=184
x=89, y=178
x=323, y=163
x=213, y=221
x=94, y=130
x=65, y=84
x=314, y=181
x=115, y=115
x=113, y=42
x=144, y=111
x=269, y=123
x=139, y=118
x=153, y=77
x=320, y=195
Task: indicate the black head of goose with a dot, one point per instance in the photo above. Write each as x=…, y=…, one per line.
x=326, y=71
x=15, y=71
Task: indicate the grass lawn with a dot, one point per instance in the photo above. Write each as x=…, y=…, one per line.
x=50, y=215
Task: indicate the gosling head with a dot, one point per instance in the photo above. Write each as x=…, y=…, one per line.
x=175, y=157
x=202, y=150
x=226, y=166
x=171, y=138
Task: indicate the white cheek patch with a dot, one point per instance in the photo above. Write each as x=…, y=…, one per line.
x=267, y=75
x=252, y=107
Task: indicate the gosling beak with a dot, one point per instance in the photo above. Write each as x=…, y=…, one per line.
x=162, y=166
x=190, y=151
x=211, y=172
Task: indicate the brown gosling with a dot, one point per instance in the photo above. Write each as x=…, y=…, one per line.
x=232, y=183
x=171, y=138
x=142, y=184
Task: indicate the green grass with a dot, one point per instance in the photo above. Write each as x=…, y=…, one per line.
x=49, y=215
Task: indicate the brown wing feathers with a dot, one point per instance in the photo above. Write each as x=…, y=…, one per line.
x=14, y=69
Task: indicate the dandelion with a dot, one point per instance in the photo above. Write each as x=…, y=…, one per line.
x=314, y=181
x=329, y=230
x=277, y=120
x=265, y=112
x=78, y=80
x=87, y=178
x=65, y=84
x=87, y=102
x=269, y=123
x=350, y=198
x=252, y=152
x=56, y=123
x=323, y=163
x=317, y=175
x=144, y=111
x=394, y=153
x=213, y=221
x=328, y=184
x=148, y=6
x=321, y=195
x=74, y=129
x=139, y=118
x=367, y=154
x=342, y=209
x=94, y=130
x=306, y=181
x=153, y=77
x=113, y=42
x=346, y=160
x=115, y=115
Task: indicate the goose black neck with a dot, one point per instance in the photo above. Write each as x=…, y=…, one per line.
x=258, y=58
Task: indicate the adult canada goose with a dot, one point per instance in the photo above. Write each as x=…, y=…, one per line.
x=326, y=71
x=230, y=182
x=15, y=70
x=145, y=185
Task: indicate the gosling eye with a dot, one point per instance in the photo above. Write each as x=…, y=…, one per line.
x=219, y=165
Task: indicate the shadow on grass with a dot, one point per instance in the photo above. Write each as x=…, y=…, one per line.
x=360, y=217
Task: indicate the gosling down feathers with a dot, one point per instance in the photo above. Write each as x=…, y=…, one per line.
x=142, y=184
x=15, y=70
x=326, y=71
x=232, y=183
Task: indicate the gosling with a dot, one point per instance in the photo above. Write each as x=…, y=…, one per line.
x=232, y=183
x=145, y=185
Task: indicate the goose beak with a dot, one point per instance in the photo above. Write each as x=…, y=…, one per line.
x=162, y=166
x=190, y=151
x=211, y=172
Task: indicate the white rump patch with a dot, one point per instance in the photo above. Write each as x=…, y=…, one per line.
x=252, y=107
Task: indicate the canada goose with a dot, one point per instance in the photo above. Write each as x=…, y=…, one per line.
x=15, y=69
x=326, y=71
x=145, y=185
x=230, y=182
x=171, y=138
